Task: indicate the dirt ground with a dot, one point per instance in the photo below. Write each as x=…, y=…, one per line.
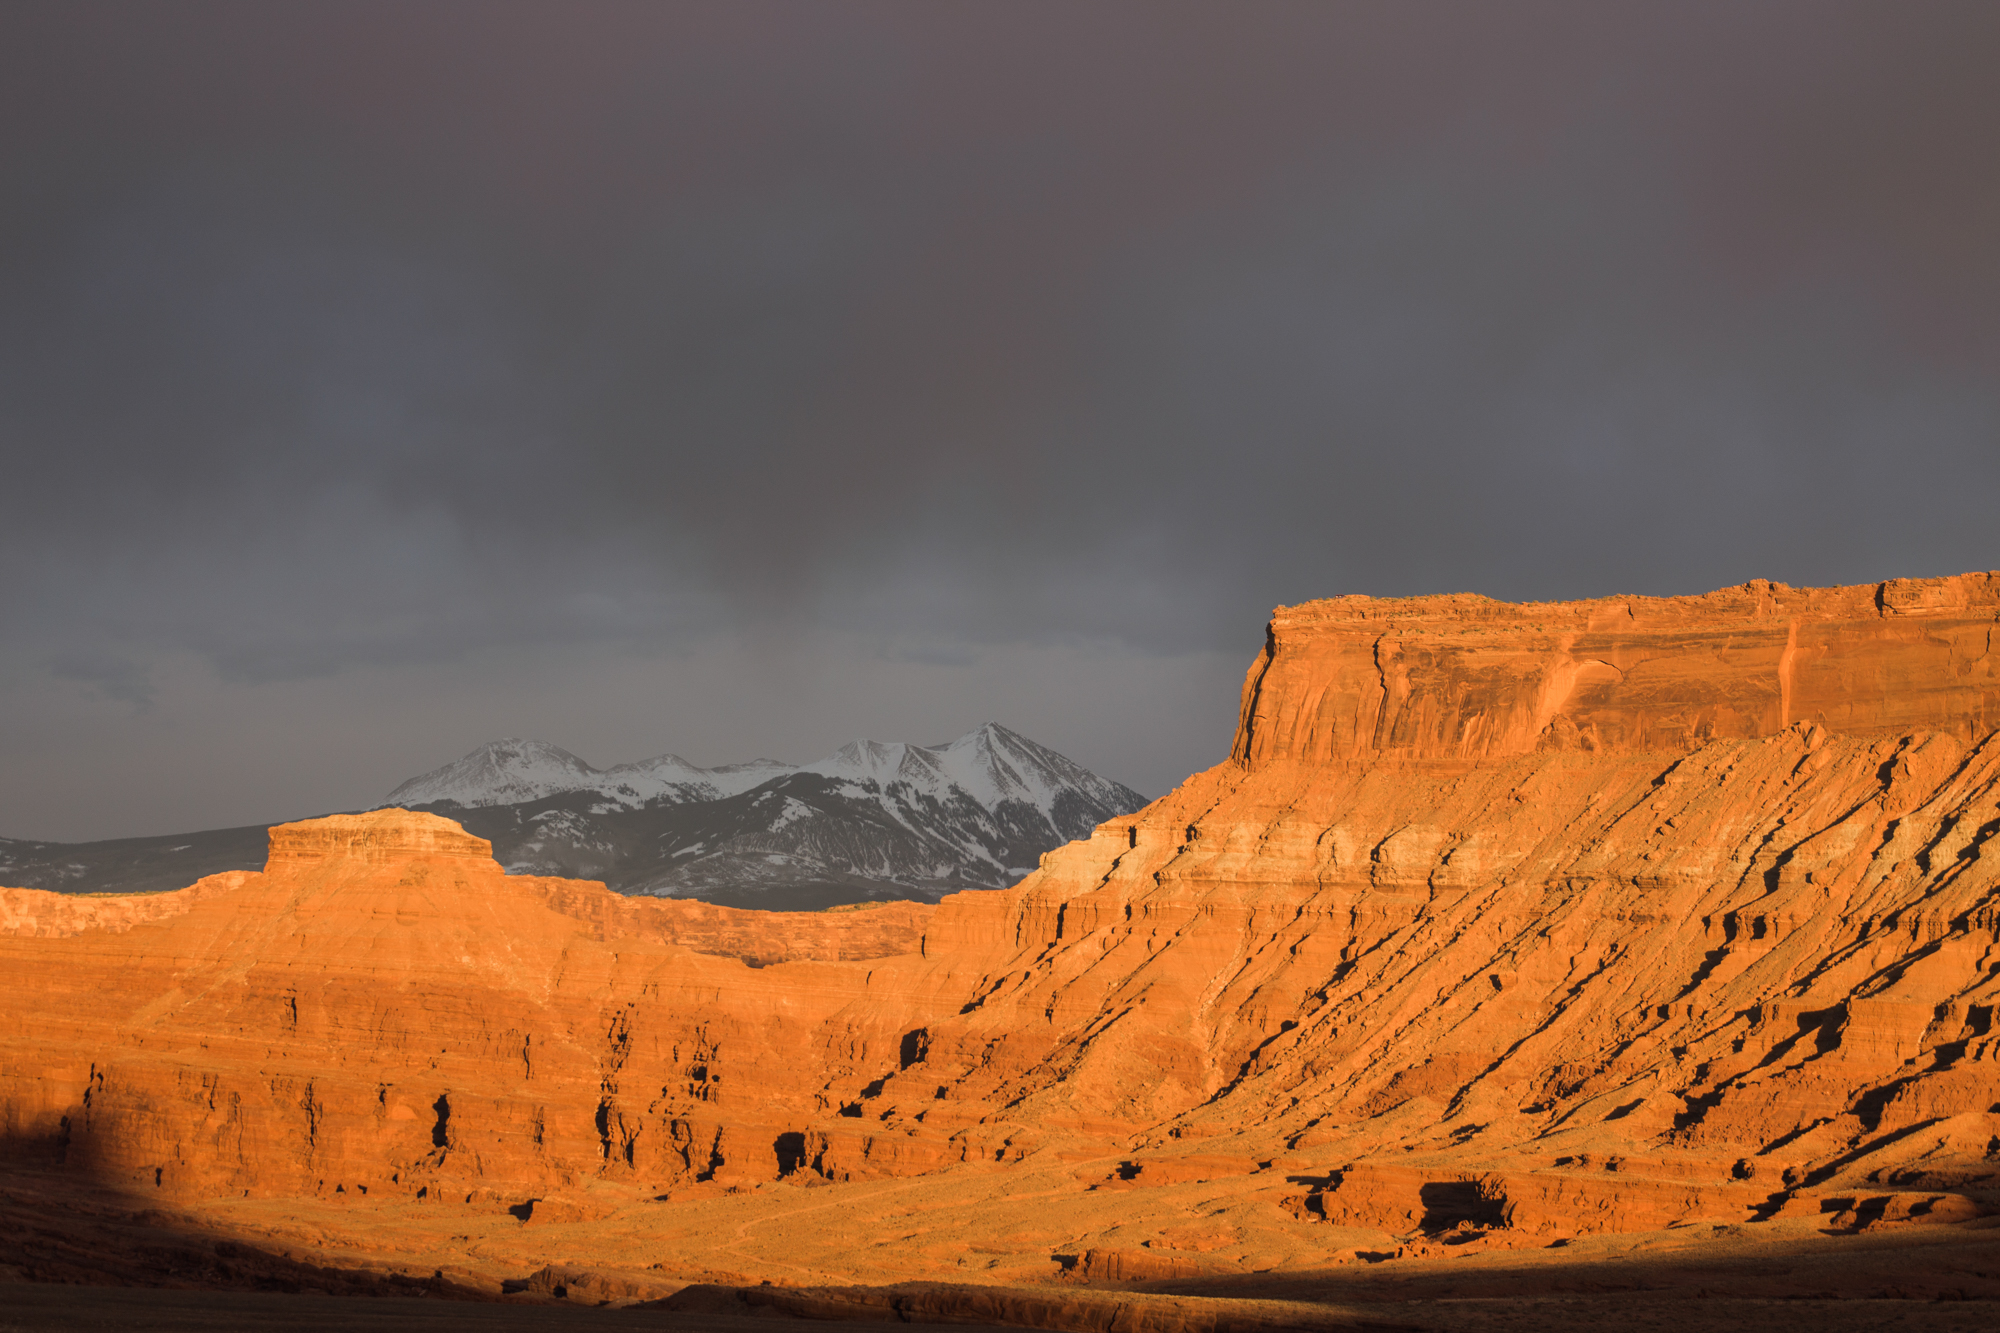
x=1027, y=1246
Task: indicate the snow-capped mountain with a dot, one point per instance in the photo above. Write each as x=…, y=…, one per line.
x=500, y=773
x=510, y=771
x=990, y=764
x=870, y=820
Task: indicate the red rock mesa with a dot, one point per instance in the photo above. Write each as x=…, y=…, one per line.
x=1516, y=920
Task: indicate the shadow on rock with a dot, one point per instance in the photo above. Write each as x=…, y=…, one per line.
x=60, y=1224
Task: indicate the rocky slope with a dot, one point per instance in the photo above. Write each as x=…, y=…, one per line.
x=1501, y=924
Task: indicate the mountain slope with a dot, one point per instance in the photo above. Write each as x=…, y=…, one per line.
x=507, y=772
x=131, y=865
x=991, y=763
x=872, y=820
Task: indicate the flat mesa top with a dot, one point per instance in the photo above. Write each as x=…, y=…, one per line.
x=385, y=834
x=1973, y=594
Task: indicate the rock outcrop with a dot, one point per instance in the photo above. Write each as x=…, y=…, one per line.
x=1500, y=923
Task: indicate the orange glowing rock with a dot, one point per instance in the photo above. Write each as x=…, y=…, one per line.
x=1500, y=922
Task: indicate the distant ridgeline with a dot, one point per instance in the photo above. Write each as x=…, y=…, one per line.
x=873, y=821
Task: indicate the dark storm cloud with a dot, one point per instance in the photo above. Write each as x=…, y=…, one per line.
x=356, y=337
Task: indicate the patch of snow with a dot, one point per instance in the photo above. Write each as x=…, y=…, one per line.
x=791, y=813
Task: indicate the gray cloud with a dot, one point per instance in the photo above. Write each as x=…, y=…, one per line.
x=413, y=347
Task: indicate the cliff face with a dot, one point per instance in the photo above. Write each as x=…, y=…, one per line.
x=1438, y=678
x=1693, y=887
x=384, y=1011
x=1527, y=919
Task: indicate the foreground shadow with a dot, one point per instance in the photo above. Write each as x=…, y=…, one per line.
x=76, y=1251
x=61, y=1224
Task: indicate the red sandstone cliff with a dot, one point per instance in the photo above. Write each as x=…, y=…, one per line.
x=1570, y=917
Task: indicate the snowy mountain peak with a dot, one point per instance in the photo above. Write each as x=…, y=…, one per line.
x=499, y=773
x=872, y=818
x=666, y=767
x=989, y=764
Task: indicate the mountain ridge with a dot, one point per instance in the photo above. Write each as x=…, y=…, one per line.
x=872, y=821
x=986, y=762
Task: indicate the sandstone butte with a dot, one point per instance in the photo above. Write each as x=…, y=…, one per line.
x=1500, y=925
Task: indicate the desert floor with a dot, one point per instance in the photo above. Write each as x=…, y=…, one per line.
x=1025, y=1244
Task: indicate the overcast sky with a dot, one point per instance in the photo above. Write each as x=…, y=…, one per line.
x=737, y=379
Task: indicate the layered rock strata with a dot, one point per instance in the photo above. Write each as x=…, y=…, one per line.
x=1499, y=921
